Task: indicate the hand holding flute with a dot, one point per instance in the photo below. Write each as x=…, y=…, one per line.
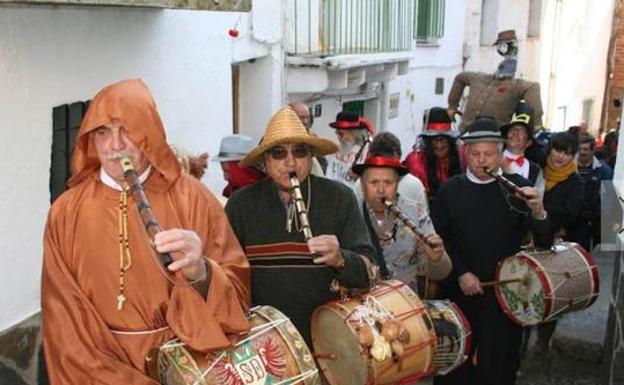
x=529, y=194
x=178, y=249
x=432, y=243
x=325, y=248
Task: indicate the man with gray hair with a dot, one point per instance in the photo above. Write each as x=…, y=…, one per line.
x=354, y=139
x=319, y=163
x=482, y=222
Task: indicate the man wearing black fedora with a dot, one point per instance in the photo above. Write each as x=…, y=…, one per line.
x=354, y=139
x=482, y=222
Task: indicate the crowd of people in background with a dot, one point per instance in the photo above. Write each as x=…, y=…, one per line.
x=222, y=263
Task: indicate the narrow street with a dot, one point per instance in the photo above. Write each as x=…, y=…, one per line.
x=577, y=347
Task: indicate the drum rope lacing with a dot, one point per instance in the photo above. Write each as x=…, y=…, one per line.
x=570, y=274
x=261, y=330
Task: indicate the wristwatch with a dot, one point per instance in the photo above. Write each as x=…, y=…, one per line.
x=543, y=217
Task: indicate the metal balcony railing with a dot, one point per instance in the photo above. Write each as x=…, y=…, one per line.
x=333, y=27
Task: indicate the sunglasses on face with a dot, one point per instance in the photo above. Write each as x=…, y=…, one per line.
x=299, y=151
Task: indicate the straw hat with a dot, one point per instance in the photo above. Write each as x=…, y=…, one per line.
x=285, y=127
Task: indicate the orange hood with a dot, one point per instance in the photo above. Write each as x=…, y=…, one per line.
x=131, y=103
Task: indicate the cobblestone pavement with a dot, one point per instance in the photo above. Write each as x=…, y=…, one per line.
x=557, y=368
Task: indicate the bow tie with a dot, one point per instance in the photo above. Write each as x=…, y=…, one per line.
x=519, y=160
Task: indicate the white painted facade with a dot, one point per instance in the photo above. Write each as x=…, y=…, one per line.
x=563, y=46
x=484, y=19
x=417, y=87
x=575, y=44
x=374, y=78
x=51, y=55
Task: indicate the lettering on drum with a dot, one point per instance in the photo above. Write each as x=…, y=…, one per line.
x=251, y=371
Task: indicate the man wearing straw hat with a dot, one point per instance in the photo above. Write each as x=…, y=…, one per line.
x=289, y=272
x=482, y=222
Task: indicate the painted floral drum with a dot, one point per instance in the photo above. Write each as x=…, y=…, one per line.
x=383, y=336
x=453, y=334
x=547, y=283
x=272, y=353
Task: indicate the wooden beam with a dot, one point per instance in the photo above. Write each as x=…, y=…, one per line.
x=208, y=5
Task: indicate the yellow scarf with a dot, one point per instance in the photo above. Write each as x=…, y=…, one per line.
x=554, y=175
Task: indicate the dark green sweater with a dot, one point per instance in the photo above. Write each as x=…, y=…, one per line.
x=283, y=274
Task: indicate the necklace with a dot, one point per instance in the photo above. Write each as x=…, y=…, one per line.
x=125, y=258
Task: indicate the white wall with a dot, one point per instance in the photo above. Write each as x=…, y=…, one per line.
x=509, y=14
x=417, y=87
x=55, y=55
x=574, y=51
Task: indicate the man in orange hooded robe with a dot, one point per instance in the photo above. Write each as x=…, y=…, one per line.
x=106, y=298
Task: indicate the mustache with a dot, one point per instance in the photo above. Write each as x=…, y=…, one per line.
x=116, y=155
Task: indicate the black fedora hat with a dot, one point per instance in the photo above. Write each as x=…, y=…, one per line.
x=347, y=120
x=436, y=121
x=483, y=129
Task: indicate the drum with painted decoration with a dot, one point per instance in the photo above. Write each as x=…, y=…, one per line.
x=547, y=283
x=383, y=336
x=273, y=352
x=453, y=335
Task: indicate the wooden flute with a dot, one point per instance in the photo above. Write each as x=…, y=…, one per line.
x=369, y=139
x=507, y=183
x=300, y=206
x=145, y=210
x=406, y=221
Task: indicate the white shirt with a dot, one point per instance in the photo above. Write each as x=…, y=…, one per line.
x=110, y=182
x=513, y=168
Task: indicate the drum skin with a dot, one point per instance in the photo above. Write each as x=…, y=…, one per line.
x=453, y=333
x=272, y=352
x=335, y=333
x=554, y=282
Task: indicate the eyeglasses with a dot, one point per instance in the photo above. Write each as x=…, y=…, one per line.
x=299, y=151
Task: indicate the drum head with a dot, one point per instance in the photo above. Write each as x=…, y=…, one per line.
x=331, y=335
x=453, y=335
x=525, y=302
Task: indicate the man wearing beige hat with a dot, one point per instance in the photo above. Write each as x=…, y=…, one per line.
x=292, y=270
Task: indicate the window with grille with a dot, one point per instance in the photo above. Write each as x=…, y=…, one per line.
x=66, y=121
x=429, y=20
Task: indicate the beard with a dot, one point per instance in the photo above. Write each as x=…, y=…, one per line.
x=347, y=146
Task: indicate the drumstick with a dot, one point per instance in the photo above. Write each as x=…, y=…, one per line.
x=501, y=282
x=324, y=356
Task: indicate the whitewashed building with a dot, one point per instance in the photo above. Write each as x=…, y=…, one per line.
x=563, y=46
x=54, y=57
x=387, y=60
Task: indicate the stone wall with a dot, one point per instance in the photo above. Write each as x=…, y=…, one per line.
x=613, y=371
x=615, y=68
x=21, y=357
